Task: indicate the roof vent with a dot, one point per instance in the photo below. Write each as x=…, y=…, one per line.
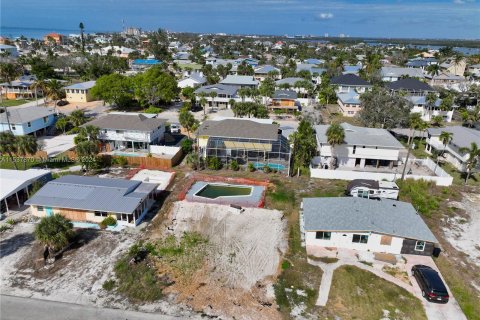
x=394, y=205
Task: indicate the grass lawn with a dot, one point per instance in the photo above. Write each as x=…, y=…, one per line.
x=359, y=294
x=13, y=103
x=459, y=177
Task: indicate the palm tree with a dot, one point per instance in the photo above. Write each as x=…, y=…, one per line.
x=77, y=118
x=445, y=137
x=81, y=26
x=87, y=133
x=430, y=101
x=416, y=123
x=231, y=102
x=39, y=85
x=9, y=71
x=26, y=145
x=55, y=91
x=415, y=118
x=62, y=124
x=212, y=95
x=243, y=93
x=335, y=136
x=8, y=145
x=54, y=232
x=433, y=69
x=203, y=103
x=472, y=161
x=437, y=121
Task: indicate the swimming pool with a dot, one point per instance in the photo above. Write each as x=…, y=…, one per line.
x=214, y=191
x=85, y=225
x=274, y=166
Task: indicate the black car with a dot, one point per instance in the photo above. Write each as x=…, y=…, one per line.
x=433, y=288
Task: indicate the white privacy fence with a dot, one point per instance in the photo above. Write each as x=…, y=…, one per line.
x=441, y=177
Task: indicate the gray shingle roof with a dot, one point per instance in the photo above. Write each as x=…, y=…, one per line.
x=233, y=128
x=349, y=79
x=285, y=94
x=82, y=86
x=462, y=137
x=19, y=115
x=239, y=80
x=409, y=84
x=219, y=89
x=93, y=194
x=399, y=71
x=384, y=216
x=361, y=136
x=290, y=81
x=136, y=122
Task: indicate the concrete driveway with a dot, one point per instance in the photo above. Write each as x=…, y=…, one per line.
x=449, y=311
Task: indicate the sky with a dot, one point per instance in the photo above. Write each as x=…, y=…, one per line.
x=453, y=19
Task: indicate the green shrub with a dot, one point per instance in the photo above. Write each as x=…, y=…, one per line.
x=419, y=193
x=267, y=169
x=153, y=110
x=214, y=163
x=186, y=145
x=234, y=165
x=251, y=167
x=109, y=221
x=121, y=161
x=4, y=227
x=11, y=221
x=109, y=285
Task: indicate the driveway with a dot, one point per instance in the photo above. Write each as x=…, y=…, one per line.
x=449, y=311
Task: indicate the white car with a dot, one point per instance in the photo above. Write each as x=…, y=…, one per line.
x=175, y=128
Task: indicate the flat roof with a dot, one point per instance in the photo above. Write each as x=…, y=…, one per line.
x=231, y=128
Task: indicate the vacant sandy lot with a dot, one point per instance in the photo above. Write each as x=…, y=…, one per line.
x=245, y=254
x=463, y=232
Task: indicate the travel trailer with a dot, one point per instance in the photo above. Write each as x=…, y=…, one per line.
x=372, y=189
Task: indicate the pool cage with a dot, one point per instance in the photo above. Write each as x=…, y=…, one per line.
x=272, y=153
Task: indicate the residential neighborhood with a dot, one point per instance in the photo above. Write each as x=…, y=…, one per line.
x=239, y=176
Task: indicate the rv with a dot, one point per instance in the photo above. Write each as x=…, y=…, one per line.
x=372, y=189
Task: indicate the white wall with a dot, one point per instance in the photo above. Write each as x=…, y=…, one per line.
x=137, y=136
x=338, y=240
x=345, y=151
x=164, y=150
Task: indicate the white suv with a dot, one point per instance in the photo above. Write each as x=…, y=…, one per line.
x=175, y=128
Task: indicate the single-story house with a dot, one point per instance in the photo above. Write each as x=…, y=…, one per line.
x=246, y=141
x=350, y=82
x=383, y=226
x=128, y=132
x=27, y=120
x=79, y=92
x=17, y=184
x=92, y=199
x=194, y=80
x=462, y=138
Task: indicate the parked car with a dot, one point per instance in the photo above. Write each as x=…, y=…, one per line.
x=432, y=286
x=62, y=103
x=175, y=128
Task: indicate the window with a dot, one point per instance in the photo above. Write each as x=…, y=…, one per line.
x=101, y=214
x=39, y=208
x=29, y=124
x=354, y=149
x=420, y=246
x=13, y=127
x=45, y=119
x=386, y=240
x=322, y=235
x=360, y=238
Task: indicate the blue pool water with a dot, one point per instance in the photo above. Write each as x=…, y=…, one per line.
x=126, y=154
x=274, y=166
x=86, y=225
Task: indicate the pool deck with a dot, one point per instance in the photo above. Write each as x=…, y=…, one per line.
x=252, y=200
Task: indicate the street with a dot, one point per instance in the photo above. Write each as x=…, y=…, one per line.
x=17, y=308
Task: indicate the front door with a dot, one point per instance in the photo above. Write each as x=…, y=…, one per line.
x=49, y=211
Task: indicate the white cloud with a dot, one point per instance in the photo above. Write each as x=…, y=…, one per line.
x=462, y=1
x=325, y=15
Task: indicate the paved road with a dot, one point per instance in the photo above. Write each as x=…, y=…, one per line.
x=17, y=308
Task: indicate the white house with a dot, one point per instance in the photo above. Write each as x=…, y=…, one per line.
x=223, y=95
x=262, y=72
x=420, y=106
x=462, y=138
x=384, y=226
x=362, y=147
x=350, y=82
x=391, y=74
x=9, y=50
x=128, y=132
x=194, y=80
x=349, y=103
x=241, y=81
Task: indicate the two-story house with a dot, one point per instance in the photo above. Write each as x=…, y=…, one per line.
x=427, y=112
x=222, y=96
x=128, y=132
x=79, y=92
x=27, y=120
x=240, y=81
x=350, y=82
x=362, y=147
x=349, y=103
x=285, y=100
x=262, y=72
x=390, y=74
x=411, y=86
x=462, y=137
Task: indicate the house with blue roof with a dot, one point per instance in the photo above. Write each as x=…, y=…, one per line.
x=91, y=199
x=142, y=64
x=262, y=72
x=349, y=103
x=426, y=111
x=79, y=92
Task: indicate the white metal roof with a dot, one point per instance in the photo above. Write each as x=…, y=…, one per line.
x=12, y=181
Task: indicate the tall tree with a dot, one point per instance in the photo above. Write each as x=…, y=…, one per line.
x=114, y=89
x=55, y=91
x=155, y=86
x=8, y=145
x=472, y=160
x=187, y=120
x=335, y=136
x=27, y=145
x=446, y=137
x=82, y=38
x=213, y=95
x=415, y=124
x=304, y=145
x=77, y=118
